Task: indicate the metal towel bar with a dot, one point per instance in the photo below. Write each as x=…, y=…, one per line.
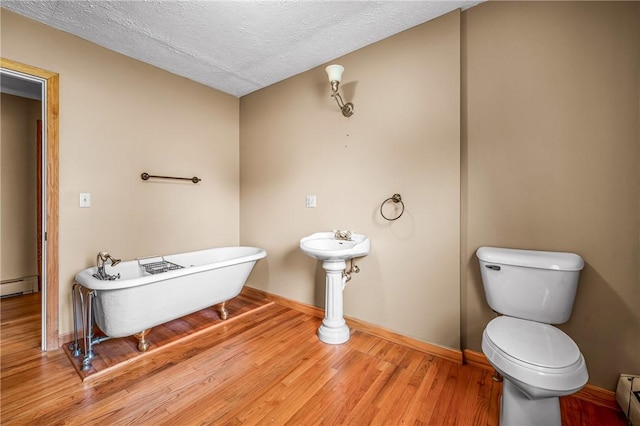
x=146, y=176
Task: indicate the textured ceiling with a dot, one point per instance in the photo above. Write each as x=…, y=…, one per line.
x=236, y=47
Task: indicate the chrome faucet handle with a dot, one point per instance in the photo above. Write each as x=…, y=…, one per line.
x=101, y=274
x=342, y=234
x=101, y=258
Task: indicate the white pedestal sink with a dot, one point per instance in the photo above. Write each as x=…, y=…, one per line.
x=334, y=253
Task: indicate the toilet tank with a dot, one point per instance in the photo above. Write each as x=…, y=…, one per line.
x=534, y=285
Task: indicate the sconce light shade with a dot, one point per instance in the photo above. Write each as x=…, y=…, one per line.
x=335, y=72
x=335, y=76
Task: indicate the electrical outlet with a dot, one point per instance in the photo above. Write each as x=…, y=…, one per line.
x=85, y=199
x=311, y=201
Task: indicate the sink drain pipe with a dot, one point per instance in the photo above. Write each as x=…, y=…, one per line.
x=346, y=275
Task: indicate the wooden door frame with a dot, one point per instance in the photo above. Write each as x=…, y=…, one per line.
x=39, y=230
x=52, y=113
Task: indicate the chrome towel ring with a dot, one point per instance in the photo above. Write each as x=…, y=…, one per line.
x=396, y=198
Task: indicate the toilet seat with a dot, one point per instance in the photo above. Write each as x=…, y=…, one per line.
x=534, y=353
x=533, y=342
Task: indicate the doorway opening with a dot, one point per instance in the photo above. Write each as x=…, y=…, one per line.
x=47, y=83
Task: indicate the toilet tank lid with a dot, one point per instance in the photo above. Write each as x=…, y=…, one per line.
x=558, y=261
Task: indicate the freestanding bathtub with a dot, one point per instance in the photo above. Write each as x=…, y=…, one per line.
x=152, y=291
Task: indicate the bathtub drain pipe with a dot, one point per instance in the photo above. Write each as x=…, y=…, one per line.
x=99, y=339
x=78, y=304
x=88, y=333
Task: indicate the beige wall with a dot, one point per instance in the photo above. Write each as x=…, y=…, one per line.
x=119, y=118
x=18, y=176
x=550, y=160
x=403, y=138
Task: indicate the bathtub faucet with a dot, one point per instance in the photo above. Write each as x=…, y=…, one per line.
x=102, y=257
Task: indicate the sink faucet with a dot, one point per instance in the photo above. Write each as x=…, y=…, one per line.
x=342, y=235
x=102, y=257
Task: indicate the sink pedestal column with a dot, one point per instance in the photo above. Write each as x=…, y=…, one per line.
x=334, y=329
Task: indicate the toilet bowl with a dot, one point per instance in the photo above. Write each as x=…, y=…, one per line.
x=538, y=361
x=541, y=357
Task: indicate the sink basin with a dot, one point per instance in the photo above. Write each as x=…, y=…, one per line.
x=324, y=246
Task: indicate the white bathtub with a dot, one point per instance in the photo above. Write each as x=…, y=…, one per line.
x=138, y=300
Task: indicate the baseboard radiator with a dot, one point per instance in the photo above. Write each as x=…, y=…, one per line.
x=18, y=286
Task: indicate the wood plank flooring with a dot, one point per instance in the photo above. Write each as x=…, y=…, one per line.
x=267, y=368
x=118, y=353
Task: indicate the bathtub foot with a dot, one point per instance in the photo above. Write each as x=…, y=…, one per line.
x=143, y=343
x=222, y=310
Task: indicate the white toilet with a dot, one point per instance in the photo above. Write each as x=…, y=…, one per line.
x=539, y=362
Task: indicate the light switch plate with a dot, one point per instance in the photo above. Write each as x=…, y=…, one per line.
x=85, y=199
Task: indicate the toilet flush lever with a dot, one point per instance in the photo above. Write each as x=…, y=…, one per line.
x=494, y=267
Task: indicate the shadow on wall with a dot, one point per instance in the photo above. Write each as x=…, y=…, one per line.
x=295, y=258
x=260, y=273
x=319, y=287
x=474, y=292
x=592, y=331
x=402, y=228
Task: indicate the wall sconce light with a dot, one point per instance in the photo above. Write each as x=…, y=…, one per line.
x=335, y=75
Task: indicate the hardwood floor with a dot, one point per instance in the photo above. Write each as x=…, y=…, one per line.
x=268, y=367
x=119, y=353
